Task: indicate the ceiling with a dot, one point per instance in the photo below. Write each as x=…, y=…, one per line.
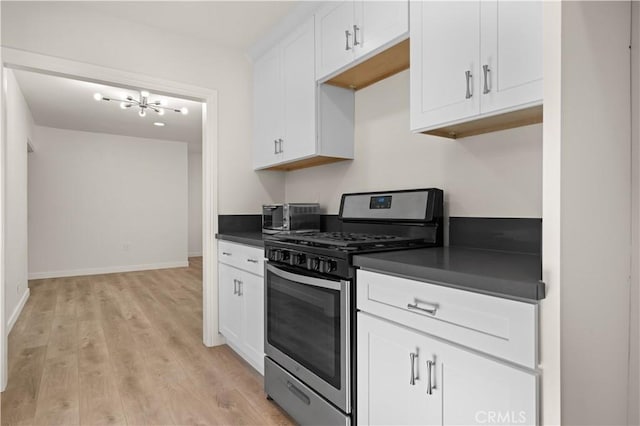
x=69, y=104
x=234, y=24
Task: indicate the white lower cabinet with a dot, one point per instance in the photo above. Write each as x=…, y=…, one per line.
x=406, y=377
x=241, y=304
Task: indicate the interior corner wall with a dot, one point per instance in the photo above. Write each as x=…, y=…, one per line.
x=110, y=41
x=492, y=175
x=195, y=204
x=634, y=317
x=595, y=223
x=550, y=325
x=101, y=203
x=19, y=129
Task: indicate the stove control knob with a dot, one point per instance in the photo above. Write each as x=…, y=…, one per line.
x=313, y=263
x=273, y=254
x=296, y=259
x=327, y=266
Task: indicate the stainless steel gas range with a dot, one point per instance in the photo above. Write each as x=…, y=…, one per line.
x=310, y=299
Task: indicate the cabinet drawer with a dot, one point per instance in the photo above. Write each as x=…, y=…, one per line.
x=504, y=328
x=250, y=259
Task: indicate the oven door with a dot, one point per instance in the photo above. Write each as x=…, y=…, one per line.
x=307, y=331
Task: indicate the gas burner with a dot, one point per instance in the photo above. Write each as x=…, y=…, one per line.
x=346, y=240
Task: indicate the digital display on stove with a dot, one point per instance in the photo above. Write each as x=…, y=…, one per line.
x=380, y=202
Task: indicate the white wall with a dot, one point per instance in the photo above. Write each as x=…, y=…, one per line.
x=551, y=216
x=19, y=129
x=43, y=27
x=195, y=204
x=104, y=203
x=494, y=175
x=590, y=168
x=634, y=317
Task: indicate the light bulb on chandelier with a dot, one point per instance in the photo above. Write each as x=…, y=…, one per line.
x=143, y=103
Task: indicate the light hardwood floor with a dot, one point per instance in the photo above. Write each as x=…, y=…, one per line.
x=126, y=349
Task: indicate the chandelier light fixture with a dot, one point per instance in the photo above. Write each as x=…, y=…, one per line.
x=143, y=104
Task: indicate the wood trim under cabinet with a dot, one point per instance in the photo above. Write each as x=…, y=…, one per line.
x=509, y=120
x=385, y=64
x=307, y=162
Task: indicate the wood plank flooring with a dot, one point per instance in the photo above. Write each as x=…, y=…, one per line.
x=126, y=349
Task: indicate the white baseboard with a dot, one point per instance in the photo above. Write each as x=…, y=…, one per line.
x=16, y=312
x=107, y=270
x=195, y=254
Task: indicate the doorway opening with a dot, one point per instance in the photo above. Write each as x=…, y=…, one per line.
x=19, y=61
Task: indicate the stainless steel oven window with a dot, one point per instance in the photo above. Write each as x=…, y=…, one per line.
x=307, y=330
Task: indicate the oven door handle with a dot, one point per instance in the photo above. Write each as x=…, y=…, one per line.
x=303, y=279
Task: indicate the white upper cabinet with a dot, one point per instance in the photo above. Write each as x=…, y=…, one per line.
x=349, y=30
x=298, y=94
x=379, y=23
x=511, y=36
x=267, y=109
x=445, y=55
x=334, y=37
x=289, y=108
x=473, y=59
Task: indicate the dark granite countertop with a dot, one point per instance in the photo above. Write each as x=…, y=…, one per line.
x=504, y=274
x=248, y=238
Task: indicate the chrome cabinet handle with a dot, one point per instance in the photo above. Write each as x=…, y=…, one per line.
x=468, y=76
x=486, y=71
x=226, y=253
x=418, y=308
x=252, y=261
x=347, y=34
x=412, y=358
x=240, y=285
x=235, y=286
x=280, y=145
x=275, y=146
x=430, y=386
x=355, y=35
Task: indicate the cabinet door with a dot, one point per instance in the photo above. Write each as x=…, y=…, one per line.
x=445, y=46
x=512, y=52
x=386, y=394
x=478, y=390
x=334, y=47
x=267, y=109
x=229, y=304
x=299, y=93
x=379, y=22
x=252, y=295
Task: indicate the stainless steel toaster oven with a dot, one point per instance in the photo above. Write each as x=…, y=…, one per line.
x=290, y=217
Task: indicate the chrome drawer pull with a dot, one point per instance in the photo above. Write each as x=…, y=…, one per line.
x=418, y=308
x=240, y=285
x=235, y=286
x=298, y=393
x=224, y=253
x=252, y=261
x=412, y=358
